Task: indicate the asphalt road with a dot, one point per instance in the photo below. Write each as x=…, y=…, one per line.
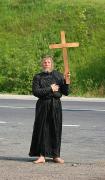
x=83, y=137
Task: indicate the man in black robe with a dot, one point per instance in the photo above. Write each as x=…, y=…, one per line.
x=48, y=86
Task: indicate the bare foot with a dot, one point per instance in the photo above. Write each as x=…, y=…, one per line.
x=58, y=160
x=41, y=159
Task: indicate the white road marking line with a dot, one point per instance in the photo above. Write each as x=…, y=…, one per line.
x=3, y=122
x=20, y=123
x=67, y=109
x=17, y=107
x=71, y=125
x=1, y=138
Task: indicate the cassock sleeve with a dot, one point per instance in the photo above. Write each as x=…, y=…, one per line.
x=64, y=88
x=37, y=90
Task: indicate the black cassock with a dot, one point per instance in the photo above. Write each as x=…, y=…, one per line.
x=47, y=129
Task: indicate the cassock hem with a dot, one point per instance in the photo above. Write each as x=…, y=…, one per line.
x=50, y=154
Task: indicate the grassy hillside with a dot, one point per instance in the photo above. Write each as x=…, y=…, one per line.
x=27, y=27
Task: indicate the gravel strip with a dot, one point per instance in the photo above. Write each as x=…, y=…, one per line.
x=16, y=170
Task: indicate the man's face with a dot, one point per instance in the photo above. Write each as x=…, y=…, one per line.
x=47, y=64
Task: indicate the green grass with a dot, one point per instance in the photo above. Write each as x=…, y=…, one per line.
x=27, y=27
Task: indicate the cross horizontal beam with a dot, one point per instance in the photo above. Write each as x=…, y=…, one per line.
x=63, y=45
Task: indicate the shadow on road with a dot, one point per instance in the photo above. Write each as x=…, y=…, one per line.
x=21, y=159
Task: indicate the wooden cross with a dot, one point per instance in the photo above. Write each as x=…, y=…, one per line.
x=64, y=47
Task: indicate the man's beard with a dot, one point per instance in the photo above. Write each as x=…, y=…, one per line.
x=47, y=70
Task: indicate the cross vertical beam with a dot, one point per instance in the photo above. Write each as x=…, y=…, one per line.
x=65, y=56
